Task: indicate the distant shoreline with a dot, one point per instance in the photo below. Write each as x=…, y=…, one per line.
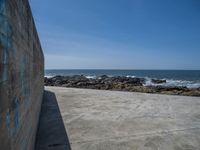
x=121, y=83
x=188, y=78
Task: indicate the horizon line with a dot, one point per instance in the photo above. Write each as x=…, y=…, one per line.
x=133, y=69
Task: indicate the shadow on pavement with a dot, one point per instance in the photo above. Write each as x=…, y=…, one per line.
x=51, y=132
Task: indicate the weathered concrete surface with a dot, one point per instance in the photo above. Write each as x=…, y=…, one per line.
x=108, y=120
x=21, y=76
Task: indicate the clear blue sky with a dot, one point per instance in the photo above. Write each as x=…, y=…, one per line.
x=119, y=34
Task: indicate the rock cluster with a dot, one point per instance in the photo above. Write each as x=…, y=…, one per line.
x=156, y=81
x=119, y=83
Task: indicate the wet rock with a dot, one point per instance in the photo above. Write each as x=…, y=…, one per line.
x=135, y=81
x=56, y=78
x=102, y=77
x=158, y=81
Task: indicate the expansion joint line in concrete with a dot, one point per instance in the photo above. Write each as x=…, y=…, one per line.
x=136, y=135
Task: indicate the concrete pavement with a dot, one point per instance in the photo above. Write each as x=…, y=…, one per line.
x=112, y=120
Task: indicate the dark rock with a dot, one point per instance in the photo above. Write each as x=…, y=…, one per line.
x=58, y=82
x=158, y=81
x=56, y=78
x=118, y=83
x=102, y=77
x=45, y=79
x=135, y=81
x=83, y=84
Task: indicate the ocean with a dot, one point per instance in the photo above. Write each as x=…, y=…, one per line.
x=188, y=78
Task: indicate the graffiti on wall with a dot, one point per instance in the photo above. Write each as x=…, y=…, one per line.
x=5, y=40
x=21, y=75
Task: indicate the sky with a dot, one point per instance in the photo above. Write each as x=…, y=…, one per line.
x=119, y=34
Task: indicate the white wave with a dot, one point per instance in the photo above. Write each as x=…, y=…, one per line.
x=189, y=84
x=128, y=76
x=90, y=77
x=148, y=82
x=48, y=76
x=171, y=82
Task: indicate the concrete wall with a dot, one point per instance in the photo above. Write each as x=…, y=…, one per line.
x=21, y=76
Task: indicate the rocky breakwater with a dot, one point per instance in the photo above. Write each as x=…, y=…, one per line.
x=119, y=83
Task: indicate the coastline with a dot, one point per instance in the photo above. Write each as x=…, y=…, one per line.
x=120, y=83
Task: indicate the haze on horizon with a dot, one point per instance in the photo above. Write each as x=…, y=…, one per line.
x=119, y=34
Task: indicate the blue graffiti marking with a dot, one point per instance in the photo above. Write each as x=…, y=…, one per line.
x=4, y=74
x=8, y=121
x=16, y=114
x=2, y=6
x=5, y=27
x=3, y=19
x=5, y=40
